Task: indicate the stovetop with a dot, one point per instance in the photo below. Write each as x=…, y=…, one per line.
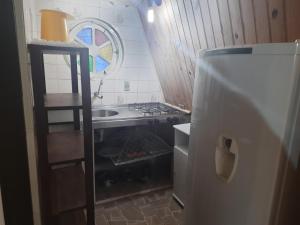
x=154, y=108
x=140, y=114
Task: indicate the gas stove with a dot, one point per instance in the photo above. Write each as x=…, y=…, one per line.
x=154, y=109
x=140, y=114
x=160, y=112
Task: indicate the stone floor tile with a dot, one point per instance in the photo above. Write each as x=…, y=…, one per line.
x=157, y=220
x=121, y=222
x=174, y=206
x=178, y=215
x=157, y=208
x=148, y=211
x=169, y=220
x=101, y=220
x=132, y=213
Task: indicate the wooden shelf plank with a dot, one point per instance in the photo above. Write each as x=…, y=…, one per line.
x=73, y=218
x=60, y=101
x=64, y=147
x=53, y=48
x=67, y=189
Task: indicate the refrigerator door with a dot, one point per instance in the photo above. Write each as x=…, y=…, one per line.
x=240, y=111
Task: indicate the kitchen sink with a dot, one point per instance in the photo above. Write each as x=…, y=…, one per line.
x=104, y=113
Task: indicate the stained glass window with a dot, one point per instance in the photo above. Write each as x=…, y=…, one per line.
x=100, y=37
x=104, y=43
x=85, y=35
x=101, y=64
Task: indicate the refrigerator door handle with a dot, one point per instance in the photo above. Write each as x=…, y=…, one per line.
x=226, y=158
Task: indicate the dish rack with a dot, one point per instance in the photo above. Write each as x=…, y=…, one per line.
x=130, y=146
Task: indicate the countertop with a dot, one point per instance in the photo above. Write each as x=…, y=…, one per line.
x=184, y=128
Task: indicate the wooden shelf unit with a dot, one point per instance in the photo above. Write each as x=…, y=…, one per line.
x=63, y=101
x=67, y=189
x=65, y=147
x=66, y=186
x=74, y=218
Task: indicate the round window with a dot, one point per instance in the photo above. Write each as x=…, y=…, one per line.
x=106, y=51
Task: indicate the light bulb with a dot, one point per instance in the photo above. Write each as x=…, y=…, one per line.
x=150, y=15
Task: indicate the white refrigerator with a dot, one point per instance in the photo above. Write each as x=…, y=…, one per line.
x=243, y=165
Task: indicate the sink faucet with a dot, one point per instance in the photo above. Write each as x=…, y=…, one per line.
x=97, y=93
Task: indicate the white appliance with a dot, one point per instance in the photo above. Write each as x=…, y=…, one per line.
x=244, y=147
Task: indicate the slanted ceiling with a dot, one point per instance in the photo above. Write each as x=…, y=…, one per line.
x=183, y=27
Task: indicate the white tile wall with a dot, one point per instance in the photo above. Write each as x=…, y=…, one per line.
x=138, y=67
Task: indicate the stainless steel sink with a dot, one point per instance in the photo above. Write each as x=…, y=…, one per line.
x=104, y=113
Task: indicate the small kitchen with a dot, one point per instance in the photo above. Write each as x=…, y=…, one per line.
x=161, y=112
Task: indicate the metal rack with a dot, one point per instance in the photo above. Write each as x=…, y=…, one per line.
x=66, y=190
x=127, y=147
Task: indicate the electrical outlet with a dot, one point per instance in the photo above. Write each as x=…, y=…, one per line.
x=126, y=85
x=120, y=100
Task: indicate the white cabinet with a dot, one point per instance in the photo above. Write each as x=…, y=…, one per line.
x=182, y=133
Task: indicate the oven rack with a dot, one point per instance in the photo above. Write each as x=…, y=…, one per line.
x=132, y=146
x=117, y=162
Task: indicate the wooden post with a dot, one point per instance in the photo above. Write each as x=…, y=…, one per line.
x=88, y=135
x=74, y=76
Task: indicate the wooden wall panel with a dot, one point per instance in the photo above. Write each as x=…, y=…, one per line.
x=277, y=20
x=262, y=21
x=192, y=25
x=247, y=11
x=292, y=19
x=215, y=19
x=225, y=22
x=208, y=29
x=236, y=21
x=199, y=24
x=183, y=27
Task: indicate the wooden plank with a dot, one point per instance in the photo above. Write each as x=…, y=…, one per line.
x=172, y=58
x=88, y=135
x=73, y=218
x=216, y=23
x=41, y=122
x=177, y=57
x=236, y=22
x=292, y=19
x=199, y=23
x=247, y=12
x=74, y=76
x=67, y=189
x=65, y=147
x=210, y=37
x=152, y=40
x=62, y=101
x=262, y=21
x=225, y=22
x=192, y=24
x=187, y=32
x=190, y=51
x=277, y=20
x=183, y=46
x=165, y=39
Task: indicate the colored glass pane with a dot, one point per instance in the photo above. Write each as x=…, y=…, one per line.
x=101, y=64
x=85, y=35
x=91, y=63
x=100, y=37
x=106, y=52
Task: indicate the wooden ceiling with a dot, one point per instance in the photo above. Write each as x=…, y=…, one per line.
x=183, y=27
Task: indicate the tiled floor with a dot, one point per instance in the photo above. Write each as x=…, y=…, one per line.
x=156, y=208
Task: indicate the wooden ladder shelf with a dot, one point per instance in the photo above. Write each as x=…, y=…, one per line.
x=66, y=186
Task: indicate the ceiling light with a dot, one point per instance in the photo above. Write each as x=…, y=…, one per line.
x=150, y=15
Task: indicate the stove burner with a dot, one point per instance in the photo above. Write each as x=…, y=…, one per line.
x=153, y=108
